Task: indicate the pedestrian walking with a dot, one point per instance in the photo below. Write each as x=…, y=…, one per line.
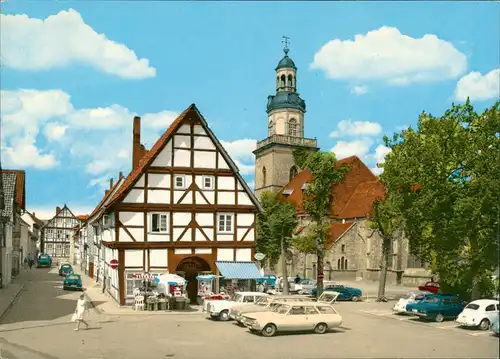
x=25, y=263
x=30, y=263
x=80, y=311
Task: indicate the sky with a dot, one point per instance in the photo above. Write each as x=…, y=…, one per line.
x=74, y=74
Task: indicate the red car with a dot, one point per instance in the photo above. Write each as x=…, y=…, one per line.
x=432, y=287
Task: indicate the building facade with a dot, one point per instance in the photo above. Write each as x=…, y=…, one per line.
x=7, y=222
x=183, y=208
x=274, y=161
x=57, y=233
x=34, y=225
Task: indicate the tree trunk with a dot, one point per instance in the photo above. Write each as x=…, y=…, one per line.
x=386, y=247
x=320, y=253
x=283, y=267
x=304, y=272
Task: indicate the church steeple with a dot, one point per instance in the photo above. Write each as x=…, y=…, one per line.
x=274, y=162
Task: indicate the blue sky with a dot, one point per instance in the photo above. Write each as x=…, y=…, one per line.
x=75, y=73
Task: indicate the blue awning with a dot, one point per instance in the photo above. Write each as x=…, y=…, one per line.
x=238, y=270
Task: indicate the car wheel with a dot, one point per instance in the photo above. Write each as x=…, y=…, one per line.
x=484, y=325
x=439, y=318
x=320, y=328
x=224, y=316
x=269, y=330
x=355, y=298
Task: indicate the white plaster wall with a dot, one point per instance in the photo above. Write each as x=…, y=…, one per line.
x=184, y=129
x=158, y=257
x=225, y=254
x=204, y=159
x=227, y=198
x=159, y=196
x=140, y=182
x=181, y=218
x=158, y=180
x=138, y=234
x=203, y=250
x=182, y=251
x=204, y=219
x=164, y=158
x=208, y=198
x=244, y=199
x=182, y=158
x=225, y=182
x=250, y=236
x=186, y=237
x=245, y=219
x=198, y=130
x=203, y=142
x=225, y=237
x=134, y=196
x=134, y=258
x=223, y=165
x=182, y=141
x=106, y=236
x=243, y=254
x=131, y=218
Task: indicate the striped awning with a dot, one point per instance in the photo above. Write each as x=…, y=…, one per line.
x=238, y=270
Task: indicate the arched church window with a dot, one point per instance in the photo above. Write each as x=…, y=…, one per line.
x=263, y=177
x=293, y=172
x=271, y=128
x=345, y=264
x=283, y=81
x=338, y=264
x=342, y=263
x=290, y=81
x=292, y=127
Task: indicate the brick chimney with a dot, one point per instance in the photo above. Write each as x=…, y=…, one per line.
x=120, y=176
x=58, y=209
x=110, y=183
x=106, y=192
x=136, y=143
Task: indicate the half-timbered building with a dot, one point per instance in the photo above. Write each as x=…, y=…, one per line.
x=57, y=233
x=183, y=208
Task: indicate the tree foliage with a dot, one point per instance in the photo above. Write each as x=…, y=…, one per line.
x=306, y=243
x=300, y=156
x=317, y=201
x=276, y=224
x=446, y=175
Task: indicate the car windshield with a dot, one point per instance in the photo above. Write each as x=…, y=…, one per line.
x=236, y=297
x=431, y=300
x=262, y=301
x=66, y=266
x=73, y=276
x=472, y=306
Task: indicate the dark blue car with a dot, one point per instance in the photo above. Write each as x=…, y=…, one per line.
x=345, y=293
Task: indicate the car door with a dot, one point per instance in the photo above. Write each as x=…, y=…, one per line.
x=312, y=317
x=296, y=319
x=491, y=312
x=457, y=307
x=446, y=308
x=343, y=294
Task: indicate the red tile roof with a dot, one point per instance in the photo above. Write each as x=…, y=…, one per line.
x=353, y=198
x=82, y=217
x=20, y=187
x=337, y=230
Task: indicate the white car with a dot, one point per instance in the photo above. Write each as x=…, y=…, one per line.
x=293, y=316
x=219, y=309
x=305, y=286
x=411, y=297
x=479, y=313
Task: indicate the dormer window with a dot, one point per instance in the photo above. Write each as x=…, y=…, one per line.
x=287, y=192
x=179, y=182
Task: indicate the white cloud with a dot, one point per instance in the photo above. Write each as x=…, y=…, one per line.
x=479, y=87
x=360, y=148
x=359, y=90
x=380, y=152
x=55, y=131
x=21, y=152
x=241, y=153
x=356, y=128
x=386, y=54
x=63, y=39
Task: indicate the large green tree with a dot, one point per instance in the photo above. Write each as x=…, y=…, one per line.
x=275, y=228
x=446, y=173
x=318, y=200
x=305, y=244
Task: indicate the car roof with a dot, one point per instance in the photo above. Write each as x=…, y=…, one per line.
x=485, y=301
x=310, y=302
x=252, y=293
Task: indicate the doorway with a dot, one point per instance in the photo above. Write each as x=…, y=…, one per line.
x=190, y=267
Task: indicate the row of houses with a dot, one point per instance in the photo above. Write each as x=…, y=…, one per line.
x=19, y=229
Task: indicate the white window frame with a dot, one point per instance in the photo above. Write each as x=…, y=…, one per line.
x=225, y=229
x=160, y=230
x=183, y=177
x=204, y=179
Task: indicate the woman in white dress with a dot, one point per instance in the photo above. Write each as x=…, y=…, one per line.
x=80, y=311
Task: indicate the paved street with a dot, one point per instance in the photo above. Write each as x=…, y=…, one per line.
x=38, y=326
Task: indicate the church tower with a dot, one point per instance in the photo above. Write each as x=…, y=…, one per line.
x=274, y=162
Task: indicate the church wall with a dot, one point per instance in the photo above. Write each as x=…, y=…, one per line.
x=280, y=119
x=278, y=161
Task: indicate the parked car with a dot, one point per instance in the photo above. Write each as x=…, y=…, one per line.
x=65, y=269
x=411, y=297
x=44, y=260
x=437, y=307
x=345, y=293
x=265, y=304
x=432, y=287
x=73, y=281
x=305, y=286
x=495, y=326
x=219, y=309
x=479, y=314
x=270, y=279
x=318, y=317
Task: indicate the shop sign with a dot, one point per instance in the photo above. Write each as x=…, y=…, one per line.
x=143, y=276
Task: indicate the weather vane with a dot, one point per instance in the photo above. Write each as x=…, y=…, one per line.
x=286, y=41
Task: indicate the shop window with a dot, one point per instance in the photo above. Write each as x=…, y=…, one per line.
x=225, y=223
x=132, y=283
x=159, y=222
x=208, y=182
x=179, y=182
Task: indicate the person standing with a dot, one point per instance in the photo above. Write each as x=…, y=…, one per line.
x=80, y=311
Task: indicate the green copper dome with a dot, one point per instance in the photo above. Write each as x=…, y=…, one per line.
x=285, y=99
x=286, y=62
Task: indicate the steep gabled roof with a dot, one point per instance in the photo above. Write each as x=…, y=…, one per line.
x=57, y=214
x=107, y=197
x=149, y=157
x=337, y=230
x=37, y=221
x=352, y=198
x=20, y=195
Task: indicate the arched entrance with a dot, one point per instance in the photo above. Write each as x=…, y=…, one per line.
x=189, y=268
